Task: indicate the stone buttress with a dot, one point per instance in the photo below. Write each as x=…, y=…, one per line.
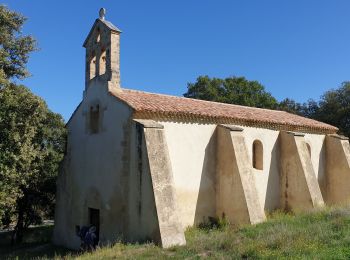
x=337, y=170
x=300, y=189
x=170, y=231
x=237, y=198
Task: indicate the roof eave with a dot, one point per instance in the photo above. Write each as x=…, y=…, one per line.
x=220, y=120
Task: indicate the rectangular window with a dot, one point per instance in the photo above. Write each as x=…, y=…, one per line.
x=94, y=119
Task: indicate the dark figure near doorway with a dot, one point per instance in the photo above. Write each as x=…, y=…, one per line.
x=88, y=237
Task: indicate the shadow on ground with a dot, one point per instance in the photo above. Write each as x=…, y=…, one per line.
x=36, y=244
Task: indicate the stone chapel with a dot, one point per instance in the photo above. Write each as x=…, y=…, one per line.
x=143, y=166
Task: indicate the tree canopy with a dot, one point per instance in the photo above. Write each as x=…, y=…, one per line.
x=332, y=108
x=32, y=138
x=232, y=90
x=14, y=46
x=307, y=109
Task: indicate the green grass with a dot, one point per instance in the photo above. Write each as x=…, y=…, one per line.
x=321, y=234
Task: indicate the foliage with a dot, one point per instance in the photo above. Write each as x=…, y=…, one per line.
x=31, y=146
x=31, y=136
x=291, y=106
x=334, y=108
x=319, y=234
x=232, y=90
x=308, y=109
x=14, y=46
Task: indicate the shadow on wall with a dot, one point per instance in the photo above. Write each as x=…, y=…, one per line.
x=206, y=202
x=321, y=176
x=273, y=188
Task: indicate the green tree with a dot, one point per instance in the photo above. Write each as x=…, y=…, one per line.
x=334, y=108
x=290, y=106
x=14, y=46
x=32, y=138
x=232, y=90
x=308, y=109
x=32, y=141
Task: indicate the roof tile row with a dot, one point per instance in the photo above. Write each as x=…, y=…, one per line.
x=150, y=105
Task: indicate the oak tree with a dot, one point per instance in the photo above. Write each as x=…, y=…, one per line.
x=232, y=90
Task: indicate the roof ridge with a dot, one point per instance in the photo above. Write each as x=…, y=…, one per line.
x=202, y=100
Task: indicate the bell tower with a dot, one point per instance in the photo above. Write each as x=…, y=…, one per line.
x=102, y=59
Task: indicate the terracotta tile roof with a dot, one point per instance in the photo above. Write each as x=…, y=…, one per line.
x=165, y=107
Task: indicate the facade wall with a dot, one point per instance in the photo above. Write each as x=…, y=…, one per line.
x=94, y=173
x=192, y=149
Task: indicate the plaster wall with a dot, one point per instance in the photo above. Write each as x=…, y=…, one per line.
x=192, y=149
x=338, y=170
x=94, y=171
x=267, y=180
x=317, y=145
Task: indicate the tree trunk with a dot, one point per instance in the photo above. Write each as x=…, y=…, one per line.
x=17, y=235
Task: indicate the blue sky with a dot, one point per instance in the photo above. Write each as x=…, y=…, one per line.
x=296, y=49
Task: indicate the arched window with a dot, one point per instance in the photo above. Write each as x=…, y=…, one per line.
x=103, y=62
x=258, y=155
x=94, y=119
x=93, y=66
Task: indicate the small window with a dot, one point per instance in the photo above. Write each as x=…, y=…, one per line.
x=92, y=67
x=94, y=119
x=258, y=155
x=103, y=62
